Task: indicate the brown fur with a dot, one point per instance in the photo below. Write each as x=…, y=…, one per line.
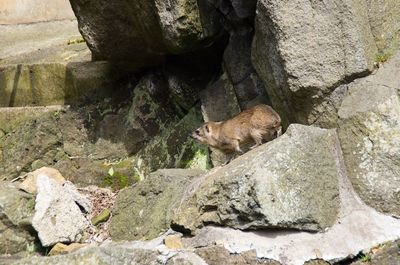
x=255, y=124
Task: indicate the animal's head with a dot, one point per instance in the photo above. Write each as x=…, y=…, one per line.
x=203, y=134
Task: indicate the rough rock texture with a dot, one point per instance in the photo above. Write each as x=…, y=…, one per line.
x=58, y=217
x=173, y=148
x=214, y=255
x=298, y=54
x=16, y=211
x=143, y=31
x=53, y=83
x=275, y=185
x=12, y=118
x=29, y=183
x=143, y=211
x=384, y=254
x=249, y=88
x=219, y=100
x=112, y=254
x=369, y=131
x=384, y=16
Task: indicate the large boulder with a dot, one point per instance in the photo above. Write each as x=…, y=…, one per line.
x=303, y=50
x=369, y=132
x=143, y=211
x=291, y=182
x=16, y=211
x=143, y=32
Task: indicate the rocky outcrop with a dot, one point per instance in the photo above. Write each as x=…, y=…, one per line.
x=16, y=211
x=303, y=51
x=143, y=211
x=369, y=131
x=275, y=185
x=58, y=216
x=143, y=33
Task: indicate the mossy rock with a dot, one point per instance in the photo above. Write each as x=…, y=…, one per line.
x=142, y=211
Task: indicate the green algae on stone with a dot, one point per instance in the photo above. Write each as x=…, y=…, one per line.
x=173, y=148
x=142, y=211
x=101, y=217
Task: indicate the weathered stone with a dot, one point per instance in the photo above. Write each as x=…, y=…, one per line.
x=384, y=16
x=144, y=32
x=16, y=211
x=247, y=85
x=369, y=132
x=12, y=118
x=173, y=241
x=275, y=185
x=34, y=140
x=58, y=217
x=151, y=108
x=21, y=39
x=29, y=184
x=298, y=56
x=215, y=255
x=113, y=254
x=61, y=248
x=95, y=256
x=53, y=83
x=219, y=100
x=385, y=254
x=173, y=148
x=143, y=211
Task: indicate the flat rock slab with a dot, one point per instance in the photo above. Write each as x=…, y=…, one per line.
x=58, y=217
x=291, y=182
x=26, y=38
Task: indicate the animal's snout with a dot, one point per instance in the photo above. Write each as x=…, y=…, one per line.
x=197, y=132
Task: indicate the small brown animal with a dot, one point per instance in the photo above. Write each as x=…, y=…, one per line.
x=255, y=124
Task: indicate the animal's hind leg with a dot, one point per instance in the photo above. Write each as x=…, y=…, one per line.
x=257, y=137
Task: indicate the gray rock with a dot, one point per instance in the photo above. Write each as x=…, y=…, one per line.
x=142, y=32
x=302, y=51
x=136, y=253
x=237, y=64
x=219, y=100
x=173, y=148
x=275, y=185
x=369, y=132
x=143, y=211
x=384, y=16
x=16, y=211
x=58, y=217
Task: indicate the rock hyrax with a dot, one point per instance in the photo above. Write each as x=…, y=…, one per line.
x=255, y=124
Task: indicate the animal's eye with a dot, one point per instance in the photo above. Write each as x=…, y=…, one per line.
x=207, y=129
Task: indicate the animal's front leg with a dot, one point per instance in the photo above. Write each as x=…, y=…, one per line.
x=237, y=147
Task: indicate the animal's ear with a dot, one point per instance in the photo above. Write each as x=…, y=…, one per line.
x=207, y=128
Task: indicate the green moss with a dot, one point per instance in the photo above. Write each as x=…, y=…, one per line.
x=30, y=205
x=382, y=57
